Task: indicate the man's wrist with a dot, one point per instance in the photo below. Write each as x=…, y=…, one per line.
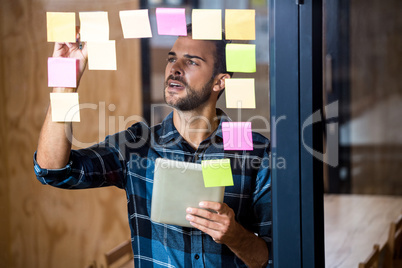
x=249, y=248
x=64, y=90
x=242, y=236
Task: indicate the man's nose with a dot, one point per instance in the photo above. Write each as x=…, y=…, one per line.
x=176, y=69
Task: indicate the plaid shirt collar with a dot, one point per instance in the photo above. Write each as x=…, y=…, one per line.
x=169, y=131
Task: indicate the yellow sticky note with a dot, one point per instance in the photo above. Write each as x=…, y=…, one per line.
x=65, y=107
x=217, y=172
x=94, y=26
x=240, y=93
x=207, y=24
x=135, y=23
x=61, y=27
x=240, y=58
x=240, y=24
x=102, y=55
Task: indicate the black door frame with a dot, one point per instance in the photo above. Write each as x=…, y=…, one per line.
x=296, y=94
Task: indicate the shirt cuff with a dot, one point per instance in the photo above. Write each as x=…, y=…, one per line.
x=41, y=173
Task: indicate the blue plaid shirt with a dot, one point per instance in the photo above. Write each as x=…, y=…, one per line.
x=127, y=159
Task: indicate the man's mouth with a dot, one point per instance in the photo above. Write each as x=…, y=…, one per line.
x=175, y=85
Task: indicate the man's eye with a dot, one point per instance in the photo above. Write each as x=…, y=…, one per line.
x=170, y=60
x=191, y=62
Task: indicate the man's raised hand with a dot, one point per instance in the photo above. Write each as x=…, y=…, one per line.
x=74, y=51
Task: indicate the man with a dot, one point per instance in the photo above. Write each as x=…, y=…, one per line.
x=238, y=233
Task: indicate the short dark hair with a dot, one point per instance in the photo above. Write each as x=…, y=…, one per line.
x=220, y=54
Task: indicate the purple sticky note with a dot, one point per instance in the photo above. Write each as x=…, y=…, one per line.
x=237, y=136
x=62, y=72
x=171, y=21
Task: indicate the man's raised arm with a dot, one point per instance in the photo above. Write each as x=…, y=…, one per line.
x=54, y=144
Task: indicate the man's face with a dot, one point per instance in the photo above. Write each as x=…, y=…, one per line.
x=188, y=73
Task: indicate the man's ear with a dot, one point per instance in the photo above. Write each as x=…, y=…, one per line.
x=220, y=82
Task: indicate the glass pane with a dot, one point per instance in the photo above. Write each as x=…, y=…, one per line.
x=363, y=60
x=160, y=46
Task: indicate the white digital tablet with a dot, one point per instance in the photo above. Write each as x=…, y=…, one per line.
x=177, y=186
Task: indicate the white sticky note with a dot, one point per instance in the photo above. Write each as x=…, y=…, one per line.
x=102, y=55
x=94, y=26
x=135, y=23
x=65, y=107
x=207, y=24
x=240, y=93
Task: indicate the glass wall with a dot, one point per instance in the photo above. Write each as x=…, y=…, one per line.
x=363, y=65
x=160, y=46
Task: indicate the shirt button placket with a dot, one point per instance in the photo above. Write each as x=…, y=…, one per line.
x=196, y=249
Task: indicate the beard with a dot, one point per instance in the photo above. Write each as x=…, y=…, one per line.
x=194, y=98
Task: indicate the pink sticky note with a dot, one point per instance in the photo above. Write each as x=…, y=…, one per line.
x=171, y=21
x=62, y=72
x=237, y=136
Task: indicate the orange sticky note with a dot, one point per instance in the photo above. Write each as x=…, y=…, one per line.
x=240, y=24
x=61, y=27
x=240, y=93
x=102, y=55
x=94, y=26
x=65, y=107
x=135, y=23
x=207, y=24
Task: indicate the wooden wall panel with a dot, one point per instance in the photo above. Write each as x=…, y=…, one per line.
x=4, y=182
x=44, y=226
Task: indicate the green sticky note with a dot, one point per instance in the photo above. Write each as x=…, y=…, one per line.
x=240, y=58
x=217, y=172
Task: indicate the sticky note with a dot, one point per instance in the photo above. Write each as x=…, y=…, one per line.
x=207, y=24
x=171, y=21
x=62, y=72
x=65, y=107
x=217, y=172
x=135, y=23
x=240, y=58
x=240, y=93
x=94, y=26
x=61, y=27
x=237, y=136
x=240, y=24
x=102, y=55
